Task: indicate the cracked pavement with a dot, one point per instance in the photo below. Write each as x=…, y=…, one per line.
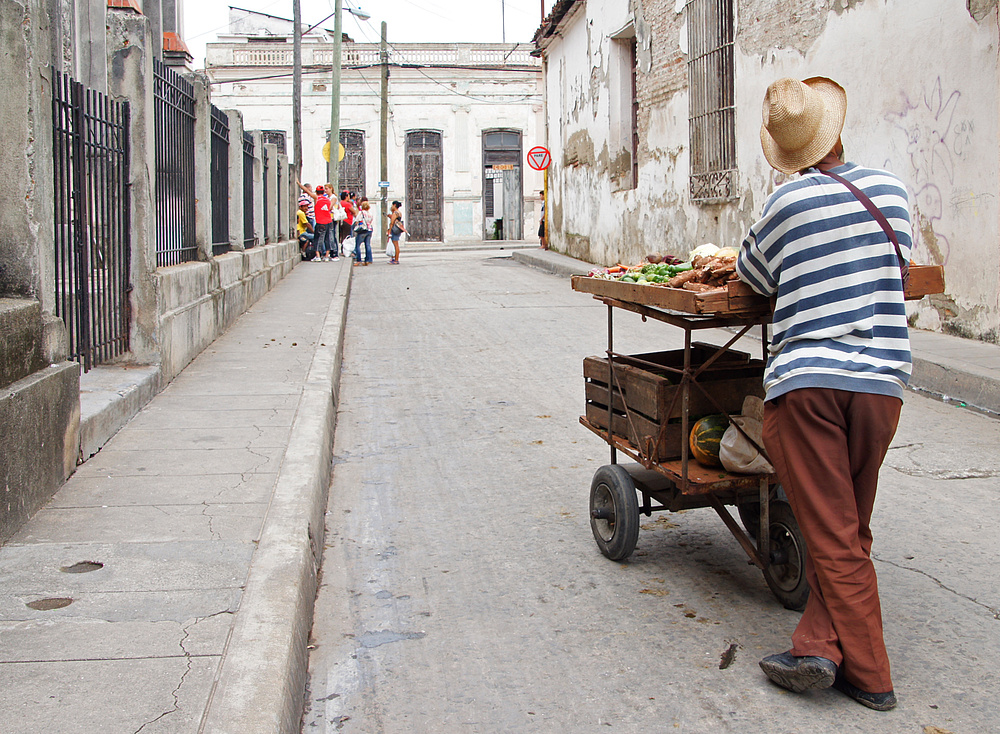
x=172, y=507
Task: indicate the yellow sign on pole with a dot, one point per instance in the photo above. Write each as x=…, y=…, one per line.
x=326, y=152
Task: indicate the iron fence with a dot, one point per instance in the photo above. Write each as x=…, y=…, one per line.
x=92, y=220
x=175, y=196
x=248, y=235
x=220, y=181
x=264, y=157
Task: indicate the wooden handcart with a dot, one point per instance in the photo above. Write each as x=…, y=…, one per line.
x=645, y=405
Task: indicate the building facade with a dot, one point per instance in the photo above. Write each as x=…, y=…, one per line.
x=462, y=118
x=653, y=111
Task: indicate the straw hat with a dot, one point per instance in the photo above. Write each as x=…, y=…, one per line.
x=802, y=121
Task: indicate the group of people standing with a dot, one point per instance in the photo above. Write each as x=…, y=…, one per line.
x=324, y=225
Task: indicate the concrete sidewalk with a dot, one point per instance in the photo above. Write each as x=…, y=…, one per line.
x=169, y=585
x=957, y=370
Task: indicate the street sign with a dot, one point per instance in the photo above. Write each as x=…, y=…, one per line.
x=326, y=152
x=383, y=184
x=539, y=158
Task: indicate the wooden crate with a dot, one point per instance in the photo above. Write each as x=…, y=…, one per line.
x=736, y=298
x=648, y=394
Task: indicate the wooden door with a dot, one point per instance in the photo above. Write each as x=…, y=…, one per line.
x=503, y=195
x=352, y=168
x=422, y=209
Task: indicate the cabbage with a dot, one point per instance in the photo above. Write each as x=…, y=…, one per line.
x=708, y=250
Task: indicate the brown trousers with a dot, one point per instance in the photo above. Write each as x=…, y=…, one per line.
x=827, y=447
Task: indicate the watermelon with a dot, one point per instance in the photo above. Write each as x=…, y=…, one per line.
x=706, y=436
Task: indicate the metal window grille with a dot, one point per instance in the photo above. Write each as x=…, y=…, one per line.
x=352, y=167
x=711, y=84
x=174, y=122
x=264, y=158
x=220, y=181
x=92, y=217
x=248, y=236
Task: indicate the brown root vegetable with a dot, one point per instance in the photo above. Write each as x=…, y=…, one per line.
x=700, y=287
x=655, y=258
x=681, y=278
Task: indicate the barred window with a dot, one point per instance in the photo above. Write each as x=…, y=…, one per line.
x=275, y=137
x=712, y=123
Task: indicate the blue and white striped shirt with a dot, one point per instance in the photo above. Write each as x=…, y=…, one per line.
x=839, y=319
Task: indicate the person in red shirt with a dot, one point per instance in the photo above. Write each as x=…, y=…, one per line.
x=345, y=226
x=324, y=231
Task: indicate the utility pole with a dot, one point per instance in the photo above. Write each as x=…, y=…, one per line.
x=297, y=88
x=503, y=22
x=384, y=129
x=333, y=167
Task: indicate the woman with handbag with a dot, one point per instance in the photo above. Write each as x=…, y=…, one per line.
x=396, y=229
x=362, y=230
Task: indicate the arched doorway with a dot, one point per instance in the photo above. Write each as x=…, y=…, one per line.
x=424, y=186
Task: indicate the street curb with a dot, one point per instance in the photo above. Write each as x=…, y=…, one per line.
x=110, y=396
x=552, y=262
x=952, y=383
x=260, y=683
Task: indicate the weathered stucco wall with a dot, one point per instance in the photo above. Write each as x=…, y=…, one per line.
x=914, y=108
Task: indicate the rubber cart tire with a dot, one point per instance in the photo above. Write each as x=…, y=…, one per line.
x=614, y=512
x=749, y=511
x=786, y=573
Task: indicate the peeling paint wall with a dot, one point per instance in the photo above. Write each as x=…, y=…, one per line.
x=914, y=108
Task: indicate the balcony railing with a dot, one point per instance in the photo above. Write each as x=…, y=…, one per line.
x=367, y=54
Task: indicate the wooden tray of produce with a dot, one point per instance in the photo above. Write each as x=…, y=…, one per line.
x=732, y=297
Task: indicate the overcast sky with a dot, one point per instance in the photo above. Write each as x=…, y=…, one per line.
x=408, y=21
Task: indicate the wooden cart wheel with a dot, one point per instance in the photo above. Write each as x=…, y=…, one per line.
x=614, y=512
x=786, y=572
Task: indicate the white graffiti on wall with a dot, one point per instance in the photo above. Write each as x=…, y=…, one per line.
x=935, y=143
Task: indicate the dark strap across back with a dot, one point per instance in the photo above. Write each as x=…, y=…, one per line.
x=904, y=266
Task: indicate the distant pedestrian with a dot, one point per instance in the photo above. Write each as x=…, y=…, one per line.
x=309, y=198
x=305, y=231
x=542, y=239
x=345, y=226
x=364, y=223
x=396, y=229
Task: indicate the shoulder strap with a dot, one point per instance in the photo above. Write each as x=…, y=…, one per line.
x=904, y=267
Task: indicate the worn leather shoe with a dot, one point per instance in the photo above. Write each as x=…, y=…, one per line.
x=799, y=673
x=877, y=701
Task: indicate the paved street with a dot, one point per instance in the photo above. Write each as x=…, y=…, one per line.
x=462, y=590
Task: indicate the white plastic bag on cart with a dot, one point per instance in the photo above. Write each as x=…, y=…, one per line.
x=735, y=451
